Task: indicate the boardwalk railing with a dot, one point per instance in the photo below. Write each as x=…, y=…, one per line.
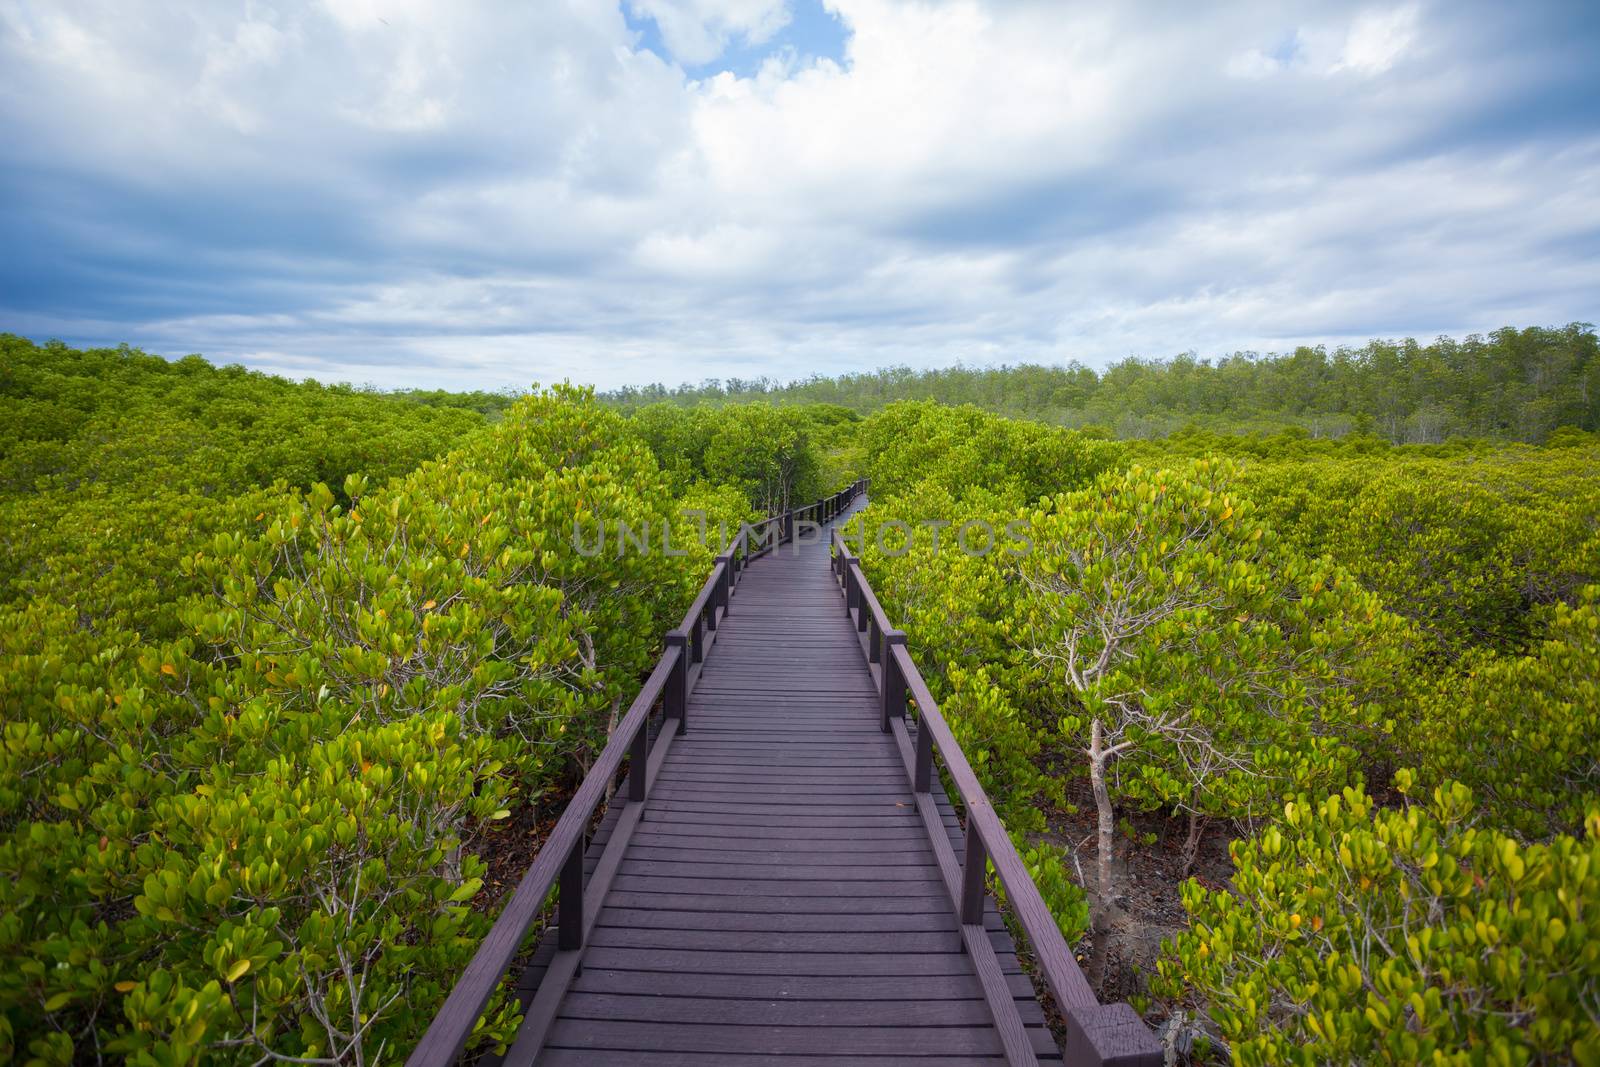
x=562, y=855
x=782, y=528
x=1097, y=1034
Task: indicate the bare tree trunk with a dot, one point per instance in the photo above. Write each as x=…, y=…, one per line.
x=1191, y=844
x=1105, y=844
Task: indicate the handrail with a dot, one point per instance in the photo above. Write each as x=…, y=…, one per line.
x=818, y=513
x=1097, y=1033
x=562, y=854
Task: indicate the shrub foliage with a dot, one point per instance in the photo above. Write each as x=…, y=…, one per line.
x=276, y=657
x=257, y=835
x=1354, y=933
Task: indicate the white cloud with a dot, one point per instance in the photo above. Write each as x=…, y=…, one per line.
x=1253, y=63
x=477, y=193
x=1377, y=40
x=1368, y=43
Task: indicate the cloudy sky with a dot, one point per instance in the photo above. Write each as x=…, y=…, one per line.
x=487, y=194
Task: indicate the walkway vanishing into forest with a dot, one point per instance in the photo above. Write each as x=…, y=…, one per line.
x=788, y=882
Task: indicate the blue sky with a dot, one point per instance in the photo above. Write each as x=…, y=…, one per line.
x=703, y=49
x=489, y=194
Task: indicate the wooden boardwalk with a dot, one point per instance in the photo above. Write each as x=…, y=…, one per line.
x=776, y=890
x=780, y=897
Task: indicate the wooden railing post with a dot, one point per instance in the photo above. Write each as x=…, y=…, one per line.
x=894, y=682
x=922, y=770
x=973, y=872
x=639, y=764
x=725, y=582
x=571, y=912
x=676, y=693
x=862, y=619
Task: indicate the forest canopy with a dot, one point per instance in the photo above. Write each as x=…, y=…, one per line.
x=1515, y=384
x=1318, y=670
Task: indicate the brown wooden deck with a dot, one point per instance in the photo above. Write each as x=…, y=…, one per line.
x=777, y=893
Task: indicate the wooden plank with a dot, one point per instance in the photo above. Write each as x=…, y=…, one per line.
x=676, y=814
x=837, y=1041
x=734, y=887
x=675, y=919
x=707, y=1011
x=1014, y=1036
x=813, y=777
x=901, y=942
x=922, y=858
x=680, y=961
x=802, y=836
x=642, y=1058
x=763, y=750
x=798, y=792
x=778, y=814
x=793, y=873
x=683, y=898
x=720, y=772
x=789, y=987
x=656, y=839
x=832, y=1040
